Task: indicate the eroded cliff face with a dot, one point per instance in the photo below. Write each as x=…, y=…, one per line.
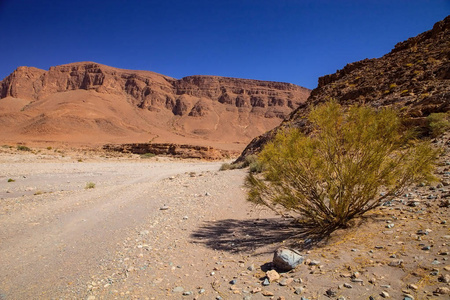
x=94, y=103
x=414, y=77
x=156, y=92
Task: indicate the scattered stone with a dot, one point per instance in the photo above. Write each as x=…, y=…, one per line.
x=426, y=248
x=298, y=290
x=187, y=293
x=178, y=289
x=286, y=281
x=272, y=275
x=266, y=282
x=357, y=280
x=287, y=259
x=233, y=281
x=330, y=292
x=389, y=226
x=349, y=286
x=396, y=263
x=413, y=287
x=164, y=207
x=384, y=294
x=442, y=291
x=251, y=267
x=267, y=293
x=201, y=291
x=314, y=263
x=444, y=278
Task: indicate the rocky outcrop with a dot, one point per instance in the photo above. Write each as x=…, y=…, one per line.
x=152, y=91
x=173, y=150
x=414, y=77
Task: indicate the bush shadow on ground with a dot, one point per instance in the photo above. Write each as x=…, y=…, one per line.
x=248, y=236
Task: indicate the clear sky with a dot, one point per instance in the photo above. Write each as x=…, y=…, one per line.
x=292, y=41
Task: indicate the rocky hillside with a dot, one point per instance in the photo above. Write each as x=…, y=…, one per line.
x=414, y=77
x=203, y=107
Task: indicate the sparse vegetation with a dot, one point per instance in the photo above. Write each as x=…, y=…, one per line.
x=148, y=155
x=89, y=185
x=49, y=148
x=38, y=193
x=392, y=86
x=438, y=123
x=352, y=162
x=249, y=161
x=11, y=180
x=23, y=148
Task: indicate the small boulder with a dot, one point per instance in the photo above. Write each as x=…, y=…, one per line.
x=287, y=259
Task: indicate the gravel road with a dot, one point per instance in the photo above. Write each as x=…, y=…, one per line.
x=56, y=235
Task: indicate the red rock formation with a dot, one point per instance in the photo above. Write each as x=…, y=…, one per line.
x=207, y=107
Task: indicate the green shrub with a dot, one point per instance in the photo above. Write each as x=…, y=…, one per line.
x=89, y=185
x=225, y=166
x=23, y=148
x=11, y=180
x=351, y=163
x=438, y=123
x=148, y=155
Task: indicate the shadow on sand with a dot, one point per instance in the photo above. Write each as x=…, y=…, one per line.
x=250, y=235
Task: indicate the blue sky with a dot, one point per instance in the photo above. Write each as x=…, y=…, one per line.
x=279, y=40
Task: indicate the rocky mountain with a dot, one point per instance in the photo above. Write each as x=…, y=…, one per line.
x=414, y=77
x=90, y=102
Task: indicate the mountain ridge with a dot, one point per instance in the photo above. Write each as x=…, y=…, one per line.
x=413, y=77
x=194, y=109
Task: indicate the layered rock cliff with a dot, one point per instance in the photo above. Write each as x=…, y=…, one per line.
x=96, y=101
x=154, y=91
x=414, y=77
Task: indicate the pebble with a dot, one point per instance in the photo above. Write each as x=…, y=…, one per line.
x=233, y=281
x=314, y=263
x=266, y=282
x=187, y=293
x=442, y=291
x=165, y=207
x=298, y=290
x=272, y=275
x=426, y=248
x=444, y=278
x=349, y=286
x=178, y=289
x=267, y=293
x=384, y=294
x=286, y=281
x=331, y=293
x=413, y=287
x=251, y=267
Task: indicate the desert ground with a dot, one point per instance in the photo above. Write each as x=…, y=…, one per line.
x=160, y=228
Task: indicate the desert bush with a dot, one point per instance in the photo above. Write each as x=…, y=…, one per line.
x=438, y=123
x=23, y=148
x=351, y=163
x=89, y=185
x=225, y=166
x=11, y=180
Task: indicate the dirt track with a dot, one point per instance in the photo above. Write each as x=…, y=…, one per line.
x=59, y=240
x=55, y=233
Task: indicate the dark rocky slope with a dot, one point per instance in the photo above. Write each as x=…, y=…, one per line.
x=414, y=77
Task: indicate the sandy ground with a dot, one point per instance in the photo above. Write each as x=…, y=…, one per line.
x=168, y=229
